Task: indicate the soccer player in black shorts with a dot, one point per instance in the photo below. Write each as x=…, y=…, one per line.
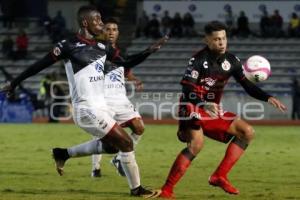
x=200, y=114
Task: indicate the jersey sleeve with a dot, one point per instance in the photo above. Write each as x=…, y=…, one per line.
x=238, y=72
x=191, y=90
x=128, y=61
x=191, y=73
x=57, y=53
x=60, y=50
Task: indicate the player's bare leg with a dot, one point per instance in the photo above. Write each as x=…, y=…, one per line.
x=124, y=143
x=243, y=133
x=194, y=139
x=116, y=140
x=137, y=127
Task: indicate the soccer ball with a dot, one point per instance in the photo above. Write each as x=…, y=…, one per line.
x=257, y=68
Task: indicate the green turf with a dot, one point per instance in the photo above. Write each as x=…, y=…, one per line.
x=270, y=169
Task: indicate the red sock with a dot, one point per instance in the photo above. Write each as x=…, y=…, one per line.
x=232, y=155
x=178, y=169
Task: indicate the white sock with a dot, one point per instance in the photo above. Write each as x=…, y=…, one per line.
x=130, y=168
x=86, y=149
x=96, y=159
x=135, y=138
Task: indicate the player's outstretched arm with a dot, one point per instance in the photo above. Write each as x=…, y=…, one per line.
x=158, y=44
x=259, y=94
x=131, y=61
x=30, y=71
x=277, y=104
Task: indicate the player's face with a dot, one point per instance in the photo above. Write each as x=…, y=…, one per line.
x=111, y=32
x=217, y=41
x=95, y=25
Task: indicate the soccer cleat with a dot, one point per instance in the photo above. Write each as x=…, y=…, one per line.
x=145, y=193
x=96, y=173
x=60, y=156
x=117, y=163
x=167, y=195
x=223, y=183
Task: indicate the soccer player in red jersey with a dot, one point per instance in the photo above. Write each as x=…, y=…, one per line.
x=200, y=113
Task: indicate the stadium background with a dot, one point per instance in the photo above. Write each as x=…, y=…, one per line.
x=275, y=147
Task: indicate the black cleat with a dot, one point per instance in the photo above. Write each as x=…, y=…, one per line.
x=60, y=156
x=117, y=163
x=145, y=193
x=96, y=173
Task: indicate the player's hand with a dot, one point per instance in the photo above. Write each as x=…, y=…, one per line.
x=157, y=45
x=277, y=104
x=7, y=88
x=139, y=86
x=212, y=109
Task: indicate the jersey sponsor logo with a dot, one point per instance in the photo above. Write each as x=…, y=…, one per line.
x=226, y=65
x=205, y=64
x=101, y=46
x=95, y=78
x=209, y=81
x=114, y=86
x=78, y=44
x=56, y=51
x=194, y=74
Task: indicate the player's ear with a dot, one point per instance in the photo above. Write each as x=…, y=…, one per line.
x=84, y=23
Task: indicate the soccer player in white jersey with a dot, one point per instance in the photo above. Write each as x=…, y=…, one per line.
x=115, y=95
x=84, y=60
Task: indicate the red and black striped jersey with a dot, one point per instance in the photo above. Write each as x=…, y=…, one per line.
x=207, y=74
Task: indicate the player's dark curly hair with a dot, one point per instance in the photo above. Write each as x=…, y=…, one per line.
x=214, y=26
x=111, y=20
x=83, y=11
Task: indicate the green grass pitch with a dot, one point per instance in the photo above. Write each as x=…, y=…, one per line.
x=269, y=170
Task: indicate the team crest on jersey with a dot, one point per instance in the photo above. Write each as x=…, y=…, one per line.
x=101, y=46
x=98, y=67
x=56, y=51
x=113, y=77
x=226, y=65
x=194, y=74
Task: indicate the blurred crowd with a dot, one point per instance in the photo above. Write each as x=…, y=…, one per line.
x=269, y=25
x=176, y=26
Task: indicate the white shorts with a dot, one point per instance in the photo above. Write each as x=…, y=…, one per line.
x=123, y=112
x=97, y=122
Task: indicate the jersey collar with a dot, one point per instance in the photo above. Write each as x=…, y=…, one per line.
x=215, y=57
x=85, y=40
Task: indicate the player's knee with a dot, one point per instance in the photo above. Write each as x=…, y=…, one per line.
x=139, y=130
x=248, y=133
x=126, y=144
x=196, y=146
x=110, y=149
x=138, y=127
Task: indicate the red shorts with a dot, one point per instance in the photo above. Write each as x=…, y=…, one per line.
x=192, y=116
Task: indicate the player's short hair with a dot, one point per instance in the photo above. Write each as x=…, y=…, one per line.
x=83, y=11
x=214, y=26
x=111, y=20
